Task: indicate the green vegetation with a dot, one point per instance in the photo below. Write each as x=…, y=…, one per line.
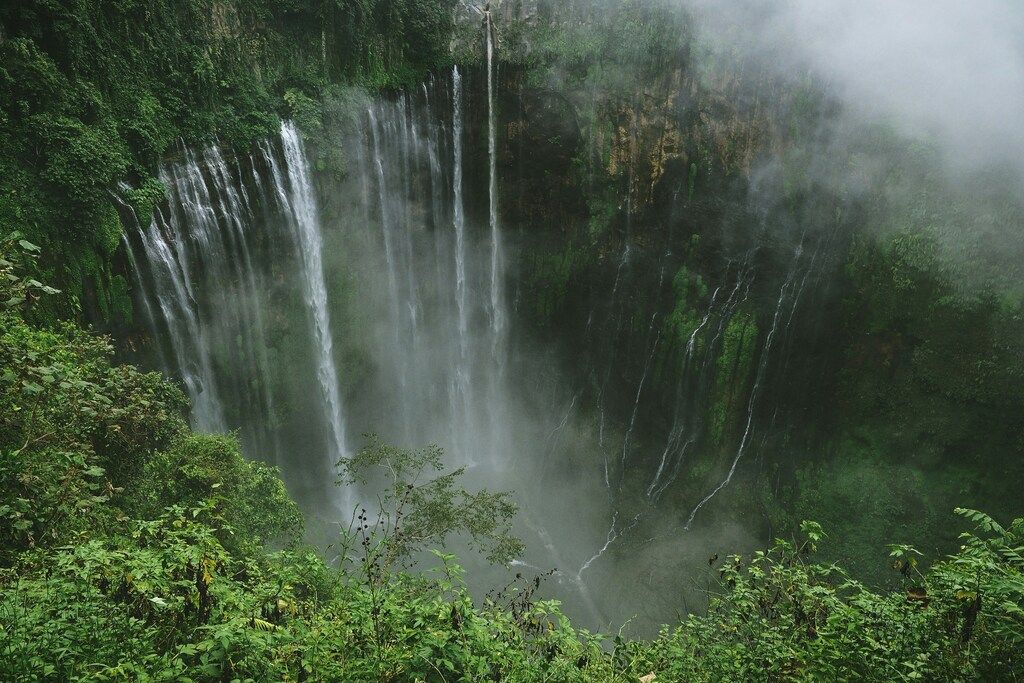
x=93, y=93
x=735, y=366
x=929, y=407
x=133, y=549
x=684, y=320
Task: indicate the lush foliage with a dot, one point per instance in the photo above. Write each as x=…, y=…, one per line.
x=932, y=381
x=94, y=92
x=132, y=549
x=420, y=505
x=782, y=617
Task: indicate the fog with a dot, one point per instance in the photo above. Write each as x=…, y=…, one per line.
x=941, y=70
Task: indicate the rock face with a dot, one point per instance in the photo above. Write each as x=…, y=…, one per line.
x=517, y=10
x=503, y=11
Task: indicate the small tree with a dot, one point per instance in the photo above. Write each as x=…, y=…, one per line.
x=420, y=506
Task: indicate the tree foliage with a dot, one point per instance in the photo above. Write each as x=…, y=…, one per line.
x=93, y=93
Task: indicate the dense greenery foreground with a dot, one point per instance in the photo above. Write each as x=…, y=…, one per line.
x=134, y=549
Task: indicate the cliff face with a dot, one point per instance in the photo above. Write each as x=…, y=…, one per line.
x=705, y=242
x=630, y=167
x=95, y=94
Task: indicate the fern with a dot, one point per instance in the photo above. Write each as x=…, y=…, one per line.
x=261, y=625
x=1014, y=556
x=983, y=521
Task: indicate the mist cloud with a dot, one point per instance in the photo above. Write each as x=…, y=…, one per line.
x=945, y=70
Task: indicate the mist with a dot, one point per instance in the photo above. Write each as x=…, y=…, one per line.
x=945, y=71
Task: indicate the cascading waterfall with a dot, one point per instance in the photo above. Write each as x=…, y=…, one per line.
x=187, y=223
x=498, y=430
x=235, y=207
x=639, y=392
x=462, y=372
x=149, y=316
x=400, y=310
x=206, y=271
x=614, y=533
x=695, y=383
x=755, y=391
x=239, y=242
x=307, y=232
x=676, y=434
x=696, y=377
x=443, y=295
x=497, y=257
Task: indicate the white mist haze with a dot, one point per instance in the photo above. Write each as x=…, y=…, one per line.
x=944, y=70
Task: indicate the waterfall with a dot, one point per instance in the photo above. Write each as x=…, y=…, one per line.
x=233, y=279
x=239, y=211
x=462, y=370
x=755, y=391
x=695, y=380
x=677, y=428
x=439, y=359
x=310, y=242
x=497, y=258
x=636, y=402
x=150, y=318
x=496, y=413
x=388, y=238
x=165, y=245
x=240, y=273
x=207, y=270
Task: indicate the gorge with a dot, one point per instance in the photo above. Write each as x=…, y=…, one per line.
x=644, y=266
